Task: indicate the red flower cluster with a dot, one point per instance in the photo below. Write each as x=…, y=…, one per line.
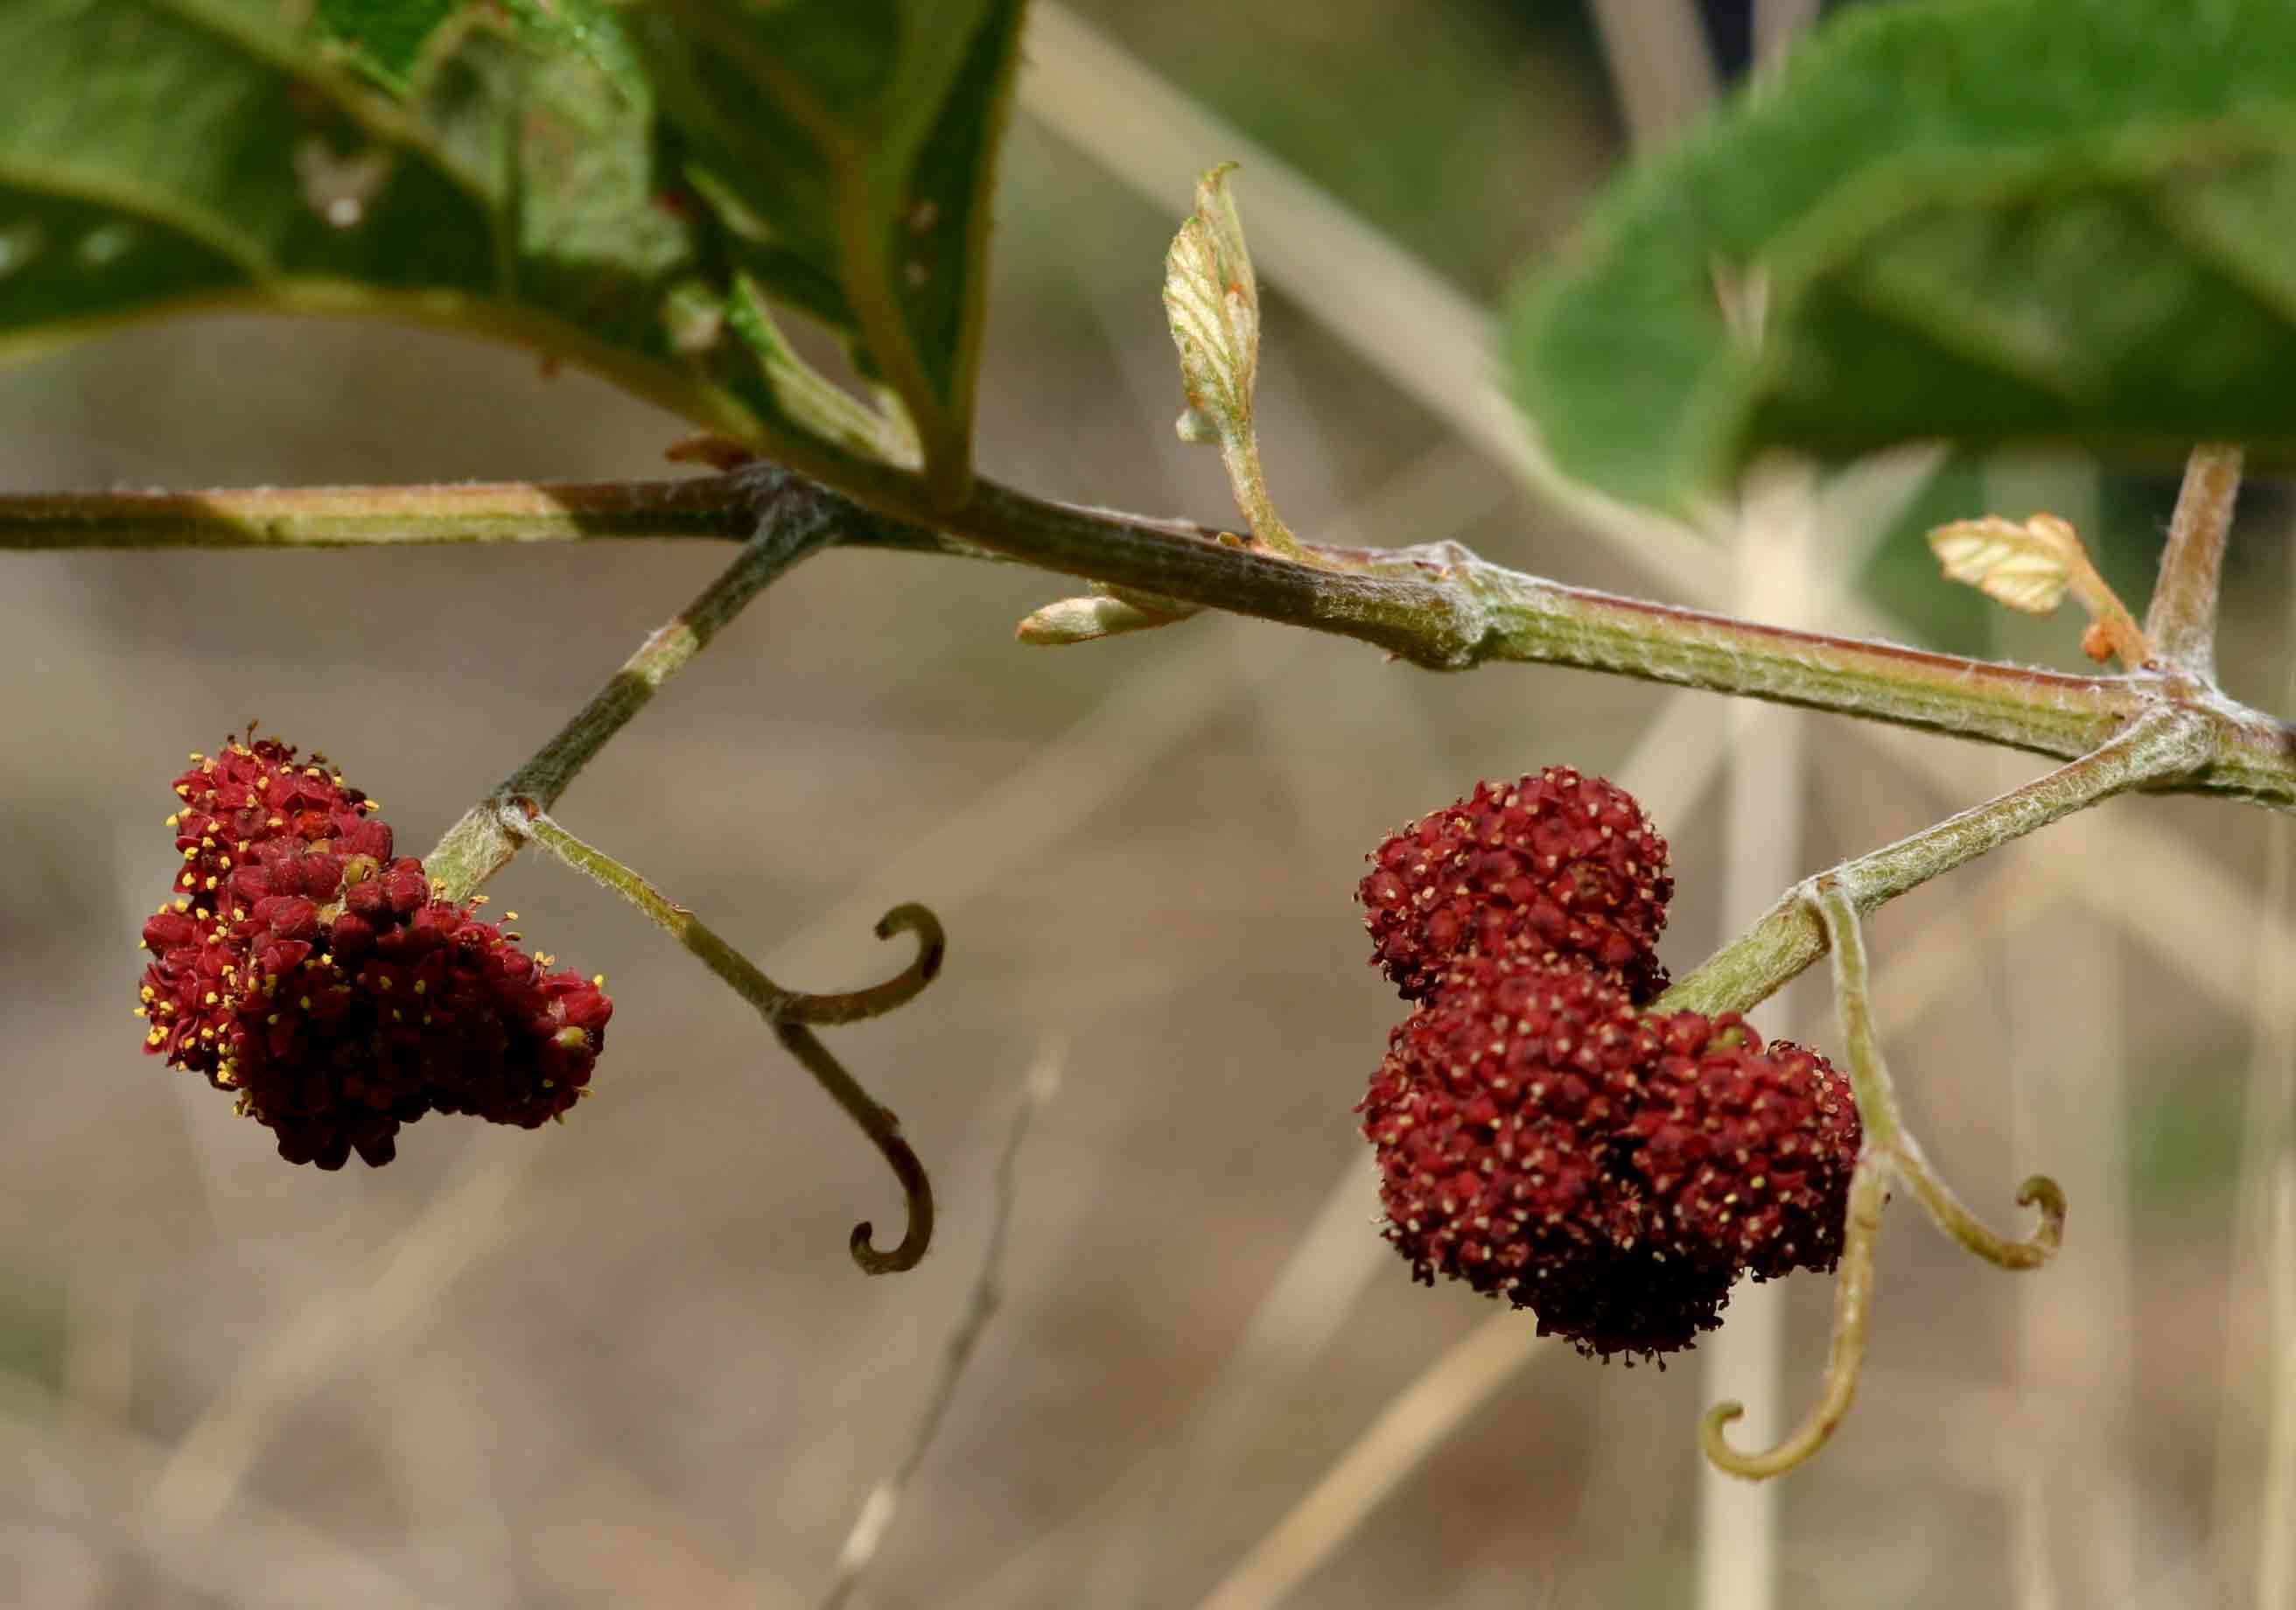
x=301, y=965
x=1558, y=864
x=1539, y=1136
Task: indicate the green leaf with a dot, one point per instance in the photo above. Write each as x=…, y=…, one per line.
x=162, y=155
x=1988, y=220
x=588, y=28
x=386, y=36
x=848, y=146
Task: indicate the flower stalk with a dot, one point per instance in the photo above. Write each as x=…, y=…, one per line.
x=787, y=524
x=2163, y=745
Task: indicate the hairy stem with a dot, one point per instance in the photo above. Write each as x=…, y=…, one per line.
x=1439, y=605
x=2182, y=622
x=787, y=522
x=786, y=1012
x=2165, y=743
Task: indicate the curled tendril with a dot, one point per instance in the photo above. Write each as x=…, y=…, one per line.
x=1889, y=1152
x=884, y=1131
x=1853, y=1296
x=859, y=1005
x=1885, y=1126
x=1957, y=1220
x=789, y=1014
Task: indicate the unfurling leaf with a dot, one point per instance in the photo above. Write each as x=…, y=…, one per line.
x=2029, y=565
x=2024, y=565
x=1212, y=303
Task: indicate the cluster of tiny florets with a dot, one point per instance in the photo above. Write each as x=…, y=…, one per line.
x=301, y=965
x=1541, y=1138
x=1557, y=864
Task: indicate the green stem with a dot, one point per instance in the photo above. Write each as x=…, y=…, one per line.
x=1440, y=606
x=2165, y=743
x=786, y=1012
x=789, y=522
x=2182, y=622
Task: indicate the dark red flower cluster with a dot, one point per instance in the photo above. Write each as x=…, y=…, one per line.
x=1541, y=1138
x=1558, y=864
x=304, y=967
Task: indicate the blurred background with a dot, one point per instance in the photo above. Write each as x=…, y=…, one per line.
x=629, y=1361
